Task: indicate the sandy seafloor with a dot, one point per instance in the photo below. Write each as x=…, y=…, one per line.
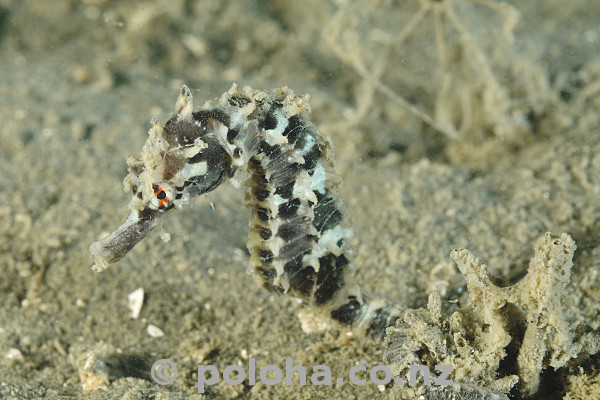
x=80, y=80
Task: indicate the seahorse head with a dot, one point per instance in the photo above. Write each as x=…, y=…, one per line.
x=183, y=159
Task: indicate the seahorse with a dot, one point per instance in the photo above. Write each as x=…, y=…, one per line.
x=299, y=235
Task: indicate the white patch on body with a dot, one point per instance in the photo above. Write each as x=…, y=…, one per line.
x=328, y=243
x=275, y=136
x=302, y=188
x=278, y=200
x=309, y=143
x=318, y=179
x=196, y=169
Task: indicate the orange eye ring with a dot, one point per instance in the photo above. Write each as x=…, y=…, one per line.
x=161, y=196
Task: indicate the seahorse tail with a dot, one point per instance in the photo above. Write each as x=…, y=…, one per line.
x=352, y=308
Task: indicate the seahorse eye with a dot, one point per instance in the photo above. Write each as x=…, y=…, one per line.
x=160, y=194
x=163, y=198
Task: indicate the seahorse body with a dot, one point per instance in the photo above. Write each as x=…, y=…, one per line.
x=298, y=235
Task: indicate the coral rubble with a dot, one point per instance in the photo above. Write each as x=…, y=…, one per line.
x=506, y=336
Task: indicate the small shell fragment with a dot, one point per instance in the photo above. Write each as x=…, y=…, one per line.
x=14, y=354
x=310, y=322
x=92, y=366
x=155, y=331
x=135, y=301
